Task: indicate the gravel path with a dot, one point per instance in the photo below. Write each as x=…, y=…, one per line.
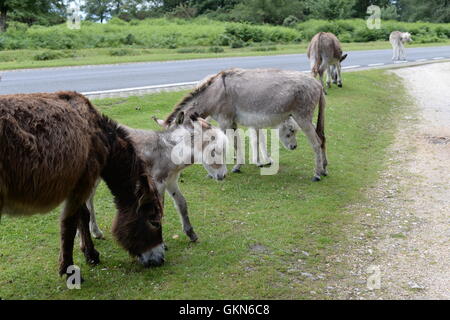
x=405, y=226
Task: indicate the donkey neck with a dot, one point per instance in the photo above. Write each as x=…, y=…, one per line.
x=121, y=172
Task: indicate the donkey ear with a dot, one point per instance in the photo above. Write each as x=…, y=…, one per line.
x=344, y=56
x=180, y=118
x=160, y=122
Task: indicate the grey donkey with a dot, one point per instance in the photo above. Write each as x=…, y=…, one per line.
x=158, y=148
x=261, y=98
x=325, y=54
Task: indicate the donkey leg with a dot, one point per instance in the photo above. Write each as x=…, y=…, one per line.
x=87, y=245
x=310, y=132
x=339, y=76
x=329, y=76
x=93, y=227
x=266, y=160
x=238, y=150
x=253, y=134
x=181, y=205
x=69, y=221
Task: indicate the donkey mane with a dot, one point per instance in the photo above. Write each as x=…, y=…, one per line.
x=194, y=93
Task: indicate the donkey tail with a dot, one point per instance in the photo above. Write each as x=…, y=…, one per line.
x=314, y=53
x=320, y=127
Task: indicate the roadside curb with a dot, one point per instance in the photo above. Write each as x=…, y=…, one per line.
x=139, y=91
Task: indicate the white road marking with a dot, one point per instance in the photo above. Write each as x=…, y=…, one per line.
x=402, y=61
x=375, y=64
x=438, y=58
x=351, y=67
x=421, y=60
x=160, y=86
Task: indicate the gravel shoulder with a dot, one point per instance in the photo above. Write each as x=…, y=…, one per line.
x=402, y=250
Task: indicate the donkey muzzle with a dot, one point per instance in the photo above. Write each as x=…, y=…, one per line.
x=154, y=257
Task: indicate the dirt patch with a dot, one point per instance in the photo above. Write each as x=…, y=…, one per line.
x=403, y=249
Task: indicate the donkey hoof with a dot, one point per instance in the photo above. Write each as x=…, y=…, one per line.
x=324, y=174
x=315, y=179
x=97, y=234
x=236, y=170
x=93, y=257
x=340, y=85
x=192, y=236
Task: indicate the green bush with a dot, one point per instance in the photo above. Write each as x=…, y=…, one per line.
x=47, y=55
x=237, y=43
x=216, y=49
x=244, y=32
x=290, y=21
x=191, y=50
x=120, y=52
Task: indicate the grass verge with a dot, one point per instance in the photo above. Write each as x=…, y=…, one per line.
x=261, y=237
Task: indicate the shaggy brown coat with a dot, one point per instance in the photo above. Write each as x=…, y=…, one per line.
x=53, y=148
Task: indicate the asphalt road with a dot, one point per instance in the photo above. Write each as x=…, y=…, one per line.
x=131, y=75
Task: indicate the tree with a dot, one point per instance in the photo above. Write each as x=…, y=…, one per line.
x=431, y=10
x=97, y=10
x=331, y=9
x=268, y=11
x=45, y=12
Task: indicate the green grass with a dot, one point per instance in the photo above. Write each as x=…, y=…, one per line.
x=24, y=59
x=253, y=229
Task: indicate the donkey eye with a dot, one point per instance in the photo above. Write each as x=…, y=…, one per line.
x=288, y=136
x=155, y=224
x=213, y=153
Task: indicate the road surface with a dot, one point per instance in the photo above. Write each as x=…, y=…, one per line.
x=108, y=77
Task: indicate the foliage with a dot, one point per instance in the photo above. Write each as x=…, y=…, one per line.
x=43, y=12
x=268, y=11
x=331, y=9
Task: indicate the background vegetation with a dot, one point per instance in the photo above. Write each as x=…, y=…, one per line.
x=179, y=33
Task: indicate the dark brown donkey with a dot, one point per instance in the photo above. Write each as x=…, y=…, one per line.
x=53, y=148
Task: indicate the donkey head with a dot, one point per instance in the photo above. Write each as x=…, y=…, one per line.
x=336, y=71
x=287, y=132
x=201, y=140
x=406, y=37
x=138, y=229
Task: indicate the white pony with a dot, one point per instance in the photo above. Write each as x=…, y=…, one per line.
x=397, y=40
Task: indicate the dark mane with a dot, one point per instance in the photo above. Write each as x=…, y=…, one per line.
x=191, y=95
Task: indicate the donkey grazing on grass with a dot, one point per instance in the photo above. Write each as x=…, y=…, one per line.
x=325, y=54
x=53, y=148
x=397, y=40
x=287, y=131
x=261, y=98
x=156, y=149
